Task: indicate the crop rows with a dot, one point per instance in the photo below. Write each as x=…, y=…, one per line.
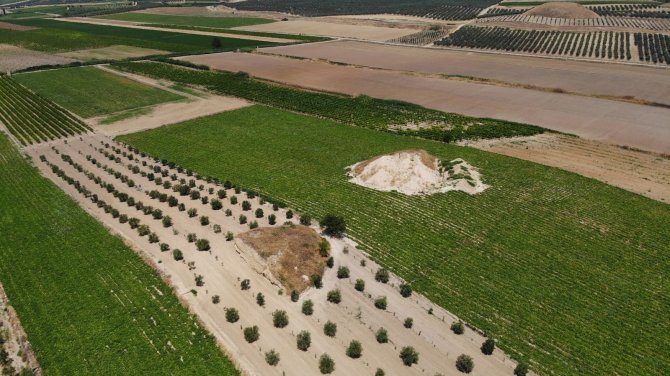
x=658, y=24
x=653, y=48
x=421, y=38
x=632, y=10
x=500, y=11
x=361, y=111
x=31, y=118
x=599, y=44
x=436, y=9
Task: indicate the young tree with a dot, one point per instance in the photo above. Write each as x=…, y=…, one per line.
x=342, y=272
x=229, y=236
x=382, y=275
x=253, y=224
x=304, y=340
x=216, y=204
x=334, y=296
x=488, y=346
x=405, y=290
x=199, y=280
x=308, y=307
x=295, y=296
x=204, y=220
x=245, y=284
x=382, y=335
x=409, y=356
x=317, y=281
x=232, y=315
x=408, y=323
x=380, y=372
x=272, y=219
x=191, y=237
x=330, y=262
x=153, y=238
x=333, y=225
x=326, y=364
x=458, y=327
x=259, y=213
x=355, y=349
x=221, y=193
x=217, y=229
x=360, y=285
x=246, y=205
x=202, y=244
x=134, y=222
x=272, y=357
x=167, y=221
x=330, y=328
x=233, y=200
x=157, y=214
x=305, y=220
x=243, y=219
x=165, y=247
x=521, y=369
x=177, y=254
x=216, y=299
x=280, y=319
x=192, y=212
x=324, y=248
x=251, y=334
x=380, y=302
x=289, y=214
x=464, y=363
x=260, y=299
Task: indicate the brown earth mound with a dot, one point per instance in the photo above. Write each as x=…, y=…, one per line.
x=562, y=10
x=9, y=26
x=291, y=252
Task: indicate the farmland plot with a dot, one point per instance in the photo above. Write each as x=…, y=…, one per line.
x=538, y=254
x=88, y=302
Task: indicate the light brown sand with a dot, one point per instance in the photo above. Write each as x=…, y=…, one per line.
x=14, y=58
x=329, y=29
x=562, y=10
x=111, y=52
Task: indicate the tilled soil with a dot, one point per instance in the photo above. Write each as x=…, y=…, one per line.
x=224, y=266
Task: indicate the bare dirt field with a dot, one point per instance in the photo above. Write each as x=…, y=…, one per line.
x=198, y=104
x=640, y=172
x=645, y=83
x=562, y=10
x=224, y=266
x=14, y=58
x=214, y=11
x=328, y=29
x=14, y=27
x=111, y=52
x=134, y=25
x=13, y=338
x=643, y=127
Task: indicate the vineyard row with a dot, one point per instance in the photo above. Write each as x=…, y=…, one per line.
x=657, y=24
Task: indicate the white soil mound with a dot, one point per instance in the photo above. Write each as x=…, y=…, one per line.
x=562, y=10
x=415, y=172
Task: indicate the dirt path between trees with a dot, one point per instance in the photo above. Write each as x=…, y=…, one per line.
x=224, y=266
x=613, y=122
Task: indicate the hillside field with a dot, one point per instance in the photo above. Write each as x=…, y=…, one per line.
x=89, y=91
x=212, y=22
x=555, y=266
x=87, y=302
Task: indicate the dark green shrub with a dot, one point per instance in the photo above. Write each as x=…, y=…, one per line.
x=246, y=205
x=464, y=363
x=308, y=307
x=330, y=328
x=333, y=225
x=382, y=275
x=360, y=285
x=216, y=204
x=303, y=340
x=409, y=356
x=380, y=302
x=408, y=323
x=199, y=280
x=458, y=328
x=216, y=299
x=165, y=247
x=355, y=349
x=316, y=281
x=272, y=219
x=192, y=212
x=405, y=290
x=488, y=346
x=295, y=296
x=251, y=334
x=259, y=213
x=382, y=335
x=245, y=284
x=305, y=220
x=202, y=244
x=177, y=254
x=280, y=319
x=342, y=272
x=167, y=221
x=334, y=296
x=232, y=315
x=204, y=220
x=326, y=364
x=330, y=262
x=260, y=299
x=521, y=369
x=272, y=357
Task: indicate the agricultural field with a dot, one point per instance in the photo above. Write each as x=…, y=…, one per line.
x=558, y=234
x=57, y=36
x=441, y=10
x=31, y=118
x=421, y=38
x=85, y=299
x=627, y=23
x=198, y=21
x=89, y=91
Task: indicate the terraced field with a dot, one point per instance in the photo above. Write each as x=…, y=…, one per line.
x=555, y=266
x=88, y=303
x=89, y=91
x=31, y=118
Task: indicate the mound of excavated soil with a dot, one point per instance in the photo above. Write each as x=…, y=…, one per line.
x=415, y=172
x=291, y=253
x=562, y=10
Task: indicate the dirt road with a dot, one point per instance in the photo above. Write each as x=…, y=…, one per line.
x=614, y=122
x=646, y=83
x=225, y=265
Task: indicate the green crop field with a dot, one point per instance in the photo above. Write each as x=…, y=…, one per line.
x=59, y=36
x=567, y=273
x=90, y=91
x=31, y=118
x=88, y=303
x=212, y=22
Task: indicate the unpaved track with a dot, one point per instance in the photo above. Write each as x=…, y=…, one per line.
x=134, y=25
x=635, y=171
x=640, y=126
x=646, y=83
x=225, y=266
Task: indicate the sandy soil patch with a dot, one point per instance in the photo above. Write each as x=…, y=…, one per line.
x=223, y=268
x=214, y=11
x=635, y=125
x=14, y=58
x=196, y=105
x=13, y=338
x=290, y=253
x=328, y=29
x=644, y=83
x=134, y=25
x=14, y=27
x=415, y=172
x=643, y=173
x=111, y=52
x=562, y=10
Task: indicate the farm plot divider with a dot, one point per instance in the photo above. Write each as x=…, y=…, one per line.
x=32, y=118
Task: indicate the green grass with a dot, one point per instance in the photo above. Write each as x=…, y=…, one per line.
x=90, y=92
x=88, y=303
x=565, y=272
x=212, y=22
x=59, y=36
